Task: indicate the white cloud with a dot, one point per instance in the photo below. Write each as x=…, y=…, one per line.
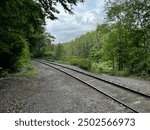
x=86, y=18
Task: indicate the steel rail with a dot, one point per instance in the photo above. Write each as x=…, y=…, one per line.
x=111, y=97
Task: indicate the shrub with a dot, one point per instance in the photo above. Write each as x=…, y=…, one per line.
x=14, y=52
x=80, y=62
x=102, y=67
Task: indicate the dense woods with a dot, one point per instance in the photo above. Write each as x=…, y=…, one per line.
x=22, y=31
x=121, y=45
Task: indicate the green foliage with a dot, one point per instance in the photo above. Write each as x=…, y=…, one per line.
x=13, y=51
x=82, y=45
x=49, y=6
x=22, y=32
x=121, y=46
x=43, y=49
x=78, y=61
x=58, y=52
x=15, y=26
x=123, y=73
x=81, y=63
x=29, y=70
x=131, y=40
x=102, y=67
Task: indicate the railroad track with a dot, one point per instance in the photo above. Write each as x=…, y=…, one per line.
x=130, y=98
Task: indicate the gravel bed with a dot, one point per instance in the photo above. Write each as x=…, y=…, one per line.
x=16, y=92
x=52, y=91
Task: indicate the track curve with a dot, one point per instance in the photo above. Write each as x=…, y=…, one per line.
x=136, y=103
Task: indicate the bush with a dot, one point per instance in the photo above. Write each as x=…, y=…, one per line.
x=21, y=58
x=14, y=52
x=80, y=62
x=102, y=67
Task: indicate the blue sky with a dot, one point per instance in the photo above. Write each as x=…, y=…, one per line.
x=87, y=16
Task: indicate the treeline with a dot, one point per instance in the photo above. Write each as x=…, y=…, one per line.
x=22, y=31
x=121, y=45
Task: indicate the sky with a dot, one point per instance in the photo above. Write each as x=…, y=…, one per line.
x=86, y=17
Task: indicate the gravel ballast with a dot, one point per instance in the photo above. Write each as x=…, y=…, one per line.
x=52, y=91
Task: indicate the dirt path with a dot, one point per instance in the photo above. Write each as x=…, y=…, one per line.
x=52, y=91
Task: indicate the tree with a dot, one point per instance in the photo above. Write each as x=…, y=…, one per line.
x=22, y=28
x=120, y=44
x=131, y=18
x=49, y=6
x=59, y=51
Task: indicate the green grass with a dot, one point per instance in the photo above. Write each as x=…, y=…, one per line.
x=28, y=71
x=122, y=73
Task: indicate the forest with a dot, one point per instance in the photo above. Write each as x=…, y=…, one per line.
x=120, y=45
